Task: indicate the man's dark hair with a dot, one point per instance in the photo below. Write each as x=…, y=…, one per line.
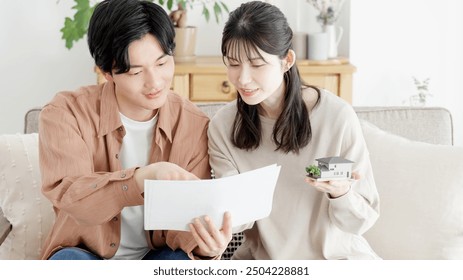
x=117, y=23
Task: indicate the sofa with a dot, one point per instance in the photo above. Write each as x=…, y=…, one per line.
x=418, y=173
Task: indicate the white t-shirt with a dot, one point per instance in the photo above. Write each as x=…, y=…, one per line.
x=134, y=152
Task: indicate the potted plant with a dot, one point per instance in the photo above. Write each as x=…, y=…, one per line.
x=75, y=28
x=313, y=171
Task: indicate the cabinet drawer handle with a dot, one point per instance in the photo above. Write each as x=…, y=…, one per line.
x=226, y=87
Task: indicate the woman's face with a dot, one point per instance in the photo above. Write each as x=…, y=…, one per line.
x=257, y=76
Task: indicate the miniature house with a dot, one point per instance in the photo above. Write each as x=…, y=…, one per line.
x=334, y=167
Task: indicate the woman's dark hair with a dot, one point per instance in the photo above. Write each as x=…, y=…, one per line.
x=258, y=25
x=117, y=23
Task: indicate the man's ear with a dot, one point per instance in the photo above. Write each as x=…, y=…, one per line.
x=290, y=59
x=108, y=76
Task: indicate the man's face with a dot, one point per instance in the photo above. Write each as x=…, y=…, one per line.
x=144, y=88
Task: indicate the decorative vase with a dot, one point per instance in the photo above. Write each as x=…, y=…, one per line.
x=185, y=43
x=334, y=37
x=317, y=47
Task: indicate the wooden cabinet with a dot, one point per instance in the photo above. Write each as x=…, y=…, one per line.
x=205, y=78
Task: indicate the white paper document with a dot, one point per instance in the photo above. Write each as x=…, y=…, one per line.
x=248, y=196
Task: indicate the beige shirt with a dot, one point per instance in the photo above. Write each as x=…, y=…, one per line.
x=80, y=137
x=304, y=223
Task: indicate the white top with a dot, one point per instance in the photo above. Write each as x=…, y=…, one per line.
x=304, y=223
x=134, y=152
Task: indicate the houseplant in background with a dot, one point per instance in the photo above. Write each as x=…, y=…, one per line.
x=75, y=28
x=328, y=15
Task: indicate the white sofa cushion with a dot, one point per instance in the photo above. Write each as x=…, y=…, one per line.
x=27, y=210
x=421, y=192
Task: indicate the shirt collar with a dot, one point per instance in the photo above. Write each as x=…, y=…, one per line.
x=109, y=110
x=165, y=118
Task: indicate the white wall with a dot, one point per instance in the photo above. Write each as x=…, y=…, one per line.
x=34, y=62
x=392, y=41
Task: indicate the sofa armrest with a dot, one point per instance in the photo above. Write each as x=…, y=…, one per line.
x=31, y=120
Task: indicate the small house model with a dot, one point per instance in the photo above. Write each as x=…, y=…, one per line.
x=334, y=168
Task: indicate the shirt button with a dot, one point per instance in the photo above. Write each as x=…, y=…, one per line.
x=125, y=187
x=117, y=155
x=120, y=129
x=112, y=245
x=123, y=175
x=115, y=219
x=94, y=186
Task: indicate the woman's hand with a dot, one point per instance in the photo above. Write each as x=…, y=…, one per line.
x=211, y=241
x=335, y=188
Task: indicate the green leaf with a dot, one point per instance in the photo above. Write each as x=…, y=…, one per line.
x=75, y=29
x=217, y=11
x=82, y=19
x=170, y=3
x=82, y=5
x=70, y=32
x=206, y=13
x=225, y=7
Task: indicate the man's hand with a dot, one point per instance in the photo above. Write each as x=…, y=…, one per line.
x=161, y=171
x=211, y=241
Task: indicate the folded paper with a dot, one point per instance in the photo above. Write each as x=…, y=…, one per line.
x=248, y=196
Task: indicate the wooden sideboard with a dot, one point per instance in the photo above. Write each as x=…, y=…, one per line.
x=205, y=78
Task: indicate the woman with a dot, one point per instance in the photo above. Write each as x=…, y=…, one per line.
x=279, y=119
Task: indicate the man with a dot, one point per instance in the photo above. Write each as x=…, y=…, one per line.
x=99, y=143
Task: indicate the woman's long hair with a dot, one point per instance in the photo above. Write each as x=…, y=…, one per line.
x=258, y=25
